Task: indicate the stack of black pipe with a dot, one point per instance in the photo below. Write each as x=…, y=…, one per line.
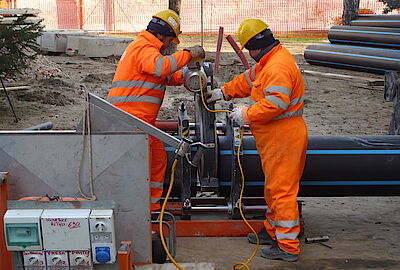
x=371, y=43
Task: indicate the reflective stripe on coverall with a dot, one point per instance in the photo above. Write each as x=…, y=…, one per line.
x=276, y=85
x=138, y=88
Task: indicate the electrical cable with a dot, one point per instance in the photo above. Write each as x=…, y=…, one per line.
x=241, y=265
x=238, y=265
x=162, y=215
x=202, y=97
x=86, y=120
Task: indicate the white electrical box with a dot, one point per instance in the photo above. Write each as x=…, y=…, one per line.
x=65, y=229
x=79, y=260
x=102, y=234
x=22, y=229
x=57, y=260
x=34, y=259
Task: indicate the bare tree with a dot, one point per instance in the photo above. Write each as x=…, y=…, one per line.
x=175, y=5
x=350, y=10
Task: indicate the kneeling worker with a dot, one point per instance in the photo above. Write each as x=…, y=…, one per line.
x=141, y=78
x=276, y=85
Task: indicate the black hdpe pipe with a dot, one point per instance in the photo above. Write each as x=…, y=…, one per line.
x=375, y=60
x=392, y=21
x=336, y=166
x=368, y=36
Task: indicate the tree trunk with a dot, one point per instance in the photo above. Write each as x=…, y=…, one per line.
x=175, y=5
x=350, y=10
x=392, y=93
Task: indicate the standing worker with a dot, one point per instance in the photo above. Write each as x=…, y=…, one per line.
x=141, y=78
x=276, y=85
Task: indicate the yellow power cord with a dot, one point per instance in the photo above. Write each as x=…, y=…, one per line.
x=204, y=102
x=238, y=265
x=241, y=265
x=162, y=215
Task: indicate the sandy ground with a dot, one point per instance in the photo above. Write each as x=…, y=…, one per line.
x=364, y=232
x=363, y=235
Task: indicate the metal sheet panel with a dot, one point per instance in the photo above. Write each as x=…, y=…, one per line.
x=48, y=163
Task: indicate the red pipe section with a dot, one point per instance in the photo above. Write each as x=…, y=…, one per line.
x=218, y=53
x=238, y=52
x=167, y=125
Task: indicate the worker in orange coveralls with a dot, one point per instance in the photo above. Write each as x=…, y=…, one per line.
x=276, y=85
x=141, y=78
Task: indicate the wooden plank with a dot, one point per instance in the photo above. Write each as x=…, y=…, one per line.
x=10, y=20
x=19, y=11
x=22, y=87
x=368, y=81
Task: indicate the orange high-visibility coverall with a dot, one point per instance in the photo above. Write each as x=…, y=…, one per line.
x=276, y=85
x=138, y=88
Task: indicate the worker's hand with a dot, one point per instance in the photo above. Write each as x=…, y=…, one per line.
x=197, y=52
x=214, y=95
x=239, y=115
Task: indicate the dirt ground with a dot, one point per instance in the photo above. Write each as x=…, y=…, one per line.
x=56, y=93
x=364, y=232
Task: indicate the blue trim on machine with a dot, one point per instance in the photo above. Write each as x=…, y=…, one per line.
x=328, y=183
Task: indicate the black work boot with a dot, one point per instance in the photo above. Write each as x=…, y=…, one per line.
x=264, y=237
x=276, y=253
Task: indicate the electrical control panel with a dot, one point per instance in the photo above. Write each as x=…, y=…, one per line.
x=61, y=239
x=102, y=236
x=22, y=229
x=65, y=229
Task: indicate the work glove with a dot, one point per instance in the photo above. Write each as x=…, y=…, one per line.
x=239, y=115
x=214, y=95
x=197, y=52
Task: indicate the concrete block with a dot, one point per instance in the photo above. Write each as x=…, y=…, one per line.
x=102, y=46
x=170, y=266
x=56, y=40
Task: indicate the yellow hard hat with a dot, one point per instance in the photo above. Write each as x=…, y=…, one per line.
x=250, y=28
x=172, y=19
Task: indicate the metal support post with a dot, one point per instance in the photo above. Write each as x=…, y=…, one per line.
x=206, y=133
x=125, y=256
x=185, y=168
x=236, y=181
